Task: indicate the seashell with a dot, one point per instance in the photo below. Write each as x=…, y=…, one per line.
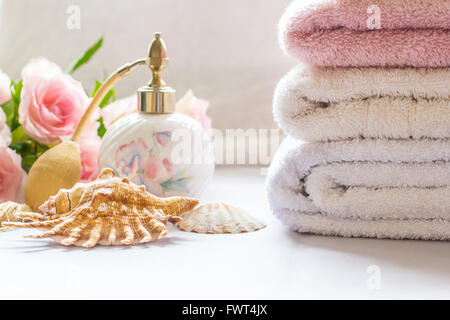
x=219, y=218
x=10, y=212
x=107, y=211
x=58, y=168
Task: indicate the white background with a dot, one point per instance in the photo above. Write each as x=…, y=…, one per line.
x=273, y=263
x=225, y=50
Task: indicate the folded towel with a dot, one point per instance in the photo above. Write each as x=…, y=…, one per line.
x=319, y=104
x=363, y=187
x=341, y=32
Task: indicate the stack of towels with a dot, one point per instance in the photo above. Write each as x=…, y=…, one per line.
x=368, y=119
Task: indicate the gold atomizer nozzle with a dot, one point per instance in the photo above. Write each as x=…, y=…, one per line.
x=157, y=97
x=157, y=60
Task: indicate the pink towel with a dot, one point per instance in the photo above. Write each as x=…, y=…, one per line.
x=368, y=32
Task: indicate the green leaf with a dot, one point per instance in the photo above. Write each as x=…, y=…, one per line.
x=9, y=108
x=40, y=148
x=27, y=153
x=87, y=55
x=98, y=84
x=27, y=161
x=19, y=136
x=16, y=91
x=29, y=150
x=107, y=99
x=102, y=129
x=110, y=96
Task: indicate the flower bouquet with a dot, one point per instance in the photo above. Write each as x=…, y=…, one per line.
x=44, y=107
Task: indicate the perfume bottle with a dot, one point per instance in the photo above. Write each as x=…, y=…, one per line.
x=169, y=153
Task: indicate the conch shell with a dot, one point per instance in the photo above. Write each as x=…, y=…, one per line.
x=219, y=218
x=107, y=211
x=10, y=212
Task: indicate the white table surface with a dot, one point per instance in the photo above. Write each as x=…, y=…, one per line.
x=273, y=263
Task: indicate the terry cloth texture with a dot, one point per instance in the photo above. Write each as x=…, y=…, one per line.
x=363, y=188
x=346, y=32
x=319, y=104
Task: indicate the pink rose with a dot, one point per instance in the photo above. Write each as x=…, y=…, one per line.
x=52, y=103
x=12, y=176
x=89, y=144
x=5, y=133
x=118, y=109
x=195, y=108
x=89, y=148
x=5, y=92
x=91, y=129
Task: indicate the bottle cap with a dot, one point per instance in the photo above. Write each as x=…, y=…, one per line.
x=157, y=97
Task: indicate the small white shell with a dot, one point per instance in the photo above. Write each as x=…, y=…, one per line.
x=219, y=218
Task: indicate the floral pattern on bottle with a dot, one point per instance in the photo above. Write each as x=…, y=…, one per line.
x=149, y=165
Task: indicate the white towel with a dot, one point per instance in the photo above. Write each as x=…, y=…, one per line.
x=320, y=104
x=363, y=187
